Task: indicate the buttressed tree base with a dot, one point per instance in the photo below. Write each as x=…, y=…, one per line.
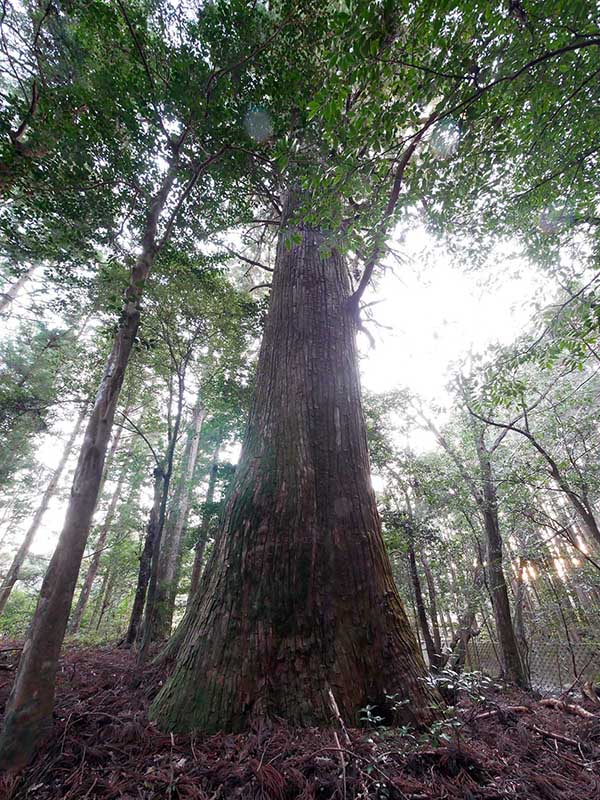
x=298, y=609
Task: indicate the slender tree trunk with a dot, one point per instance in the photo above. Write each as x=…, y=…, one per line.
x=457, y=592
x=100, y=598
x=94, y=564
x=415, y=617
x=435, y=625
x=449, y=623
x=432, y=655
x=297, y=610
x=12, y=575
x=204, y=524
x=520, y=590
x=146, y=560
x=511, y=658
x=29, y=708
x=6, y=298
x=460, y=642
x=174, y=528
x=148, y=628
x=109, y=585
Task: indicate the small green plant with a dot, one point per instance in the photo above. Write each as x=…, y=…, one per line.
x=440, y=731
x=369, y=715
x=473, y=684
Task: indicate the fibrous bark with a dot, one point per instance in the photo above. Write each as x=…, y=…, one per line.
x=297, y=604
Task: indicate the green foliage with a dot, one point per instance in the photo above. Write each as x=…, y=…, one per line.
x=472, y=684
x=17, y=613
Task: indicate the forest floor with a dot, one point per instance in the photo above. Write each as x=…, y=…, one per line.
x=103, y=746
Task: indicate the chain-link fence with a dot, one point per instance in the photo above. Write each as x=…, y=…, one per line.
x=553, y=666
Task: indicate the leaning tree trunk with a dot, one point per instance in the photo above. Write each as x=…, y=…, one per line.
x=457, y=655
x=520, y=590
x=12, y=575
x=458, y=644
x=297, y=612
x=29, y=707
x=174, y=528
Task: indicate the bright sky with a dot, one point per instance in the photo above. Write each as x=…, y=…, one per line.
x=436, y=313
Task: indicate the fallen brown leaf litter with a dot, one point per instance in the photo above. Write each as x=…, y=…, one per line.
x=103, y=746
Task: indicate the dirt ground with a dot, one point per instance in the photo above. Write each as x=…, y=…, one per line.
x=103, y=746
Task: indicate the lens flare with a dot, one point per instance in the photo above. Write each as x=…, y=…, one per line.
x=258, y=124
x=445, y=139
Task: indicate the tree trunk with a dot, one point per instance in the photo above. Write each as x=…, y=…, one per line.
x=174, y=528
x=92, y=571
x=415, y=617
x=6, y=298
x=12, y=575
x=204, y=525
x=520, y=590
x=29, y=708
x=100, y=597
x=146, y=560
x=435, y=625
x=460, y=642
x=147, y=635
x=448, y=622
x=432, y=655
x=297, y=610
x=509, y=649
x=106, y=594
